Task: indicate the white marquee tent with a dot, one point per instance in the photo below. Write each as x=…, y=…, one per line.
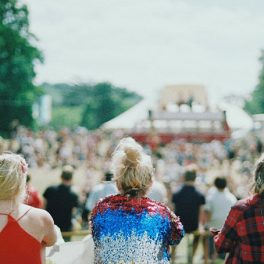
x=237, y=118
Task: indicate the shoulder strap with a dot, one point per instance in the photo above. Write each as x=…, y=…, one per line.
x=23, y=214
x=7, y=213
x=4, y=213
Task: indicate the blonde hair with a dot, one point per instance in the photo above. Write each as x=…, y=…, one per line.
x=259, y=176
x=13, y=171
x=132, y=168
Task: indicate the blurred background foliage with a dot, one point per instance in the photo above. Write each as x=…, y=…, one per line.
x=18, y=57
x=87, y=105
x=255, y=104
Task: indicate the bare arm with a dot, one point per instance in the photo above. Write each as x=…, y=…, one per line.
x=50, y=236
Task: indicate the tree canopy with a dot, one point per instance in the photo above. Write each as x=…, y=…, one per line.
x=255, y=105
x=86, y=104
x=18, y=56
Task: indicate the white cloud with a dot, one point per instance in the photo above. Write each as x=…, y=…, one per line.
x=146, y=44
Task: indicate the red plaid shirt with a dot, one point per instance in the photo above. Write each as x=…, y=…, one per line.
x=243, y=232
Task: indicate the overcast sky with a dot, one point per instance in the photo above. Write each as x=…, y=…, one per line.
x=146, y=44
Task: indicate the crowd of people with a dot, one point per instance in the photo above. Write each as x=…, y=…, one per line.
x=157, y=194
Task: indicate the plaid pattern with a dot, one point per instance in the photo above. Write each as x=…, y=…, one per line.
x=243, y=232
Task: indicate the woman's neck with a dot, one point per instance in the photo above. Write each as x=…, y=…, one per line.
x=134, y=194
x=6, y=206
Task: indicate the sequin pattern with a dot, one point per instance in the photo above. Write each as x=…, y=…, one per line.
x=133, y=230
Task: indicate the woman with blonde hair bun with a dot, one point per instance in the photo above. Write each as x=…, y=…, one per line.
x=24, y=231
x=128, y=227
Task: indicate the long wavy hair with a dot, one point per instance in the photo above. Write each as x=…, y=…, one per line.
x=258, y=184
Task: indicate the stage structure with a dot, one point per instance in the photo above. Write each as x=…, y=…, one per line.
x=180, y=113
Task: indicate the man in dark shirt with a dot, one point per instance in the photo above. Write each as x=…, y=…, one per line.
x=61, y=200
x=188, y=201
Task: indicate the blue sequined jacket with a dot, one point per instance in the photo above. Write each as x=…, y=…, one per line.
x=133, y=230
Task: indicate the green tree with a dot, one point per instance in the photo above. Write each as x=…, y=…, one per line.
x=87, y=104
x=18, y=56
x=100, y=106
x=106, y=102
x=256, y=103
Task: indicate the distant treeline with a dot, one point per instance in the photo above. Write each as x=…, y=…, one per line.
x=88, y=105
x=255, y=103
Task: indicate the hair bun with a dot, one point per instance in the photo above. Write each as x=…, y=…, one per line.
x=132, y=157
x=132, y=168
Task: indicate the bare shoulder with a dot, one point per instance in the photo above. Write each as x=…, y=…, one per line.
x=37, y=222
x=38, y=214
